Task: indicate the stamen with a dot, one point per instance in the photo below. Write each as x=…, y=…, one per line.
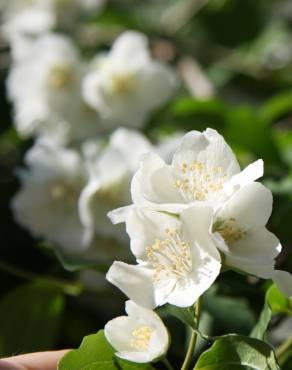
x=62, y=193
x=198, y=182
x=123, y=84
x=170, y=256
x=60, y=76
x=230, y=231
x=142, y=336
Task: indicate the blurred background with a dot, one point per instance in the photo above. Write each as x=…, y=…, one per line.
x=234, y=61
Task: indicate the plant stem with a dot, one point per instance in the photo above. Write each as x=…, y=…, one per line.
x=282, y=349
x=193, y=340
x=71, y=288
x=167, y=363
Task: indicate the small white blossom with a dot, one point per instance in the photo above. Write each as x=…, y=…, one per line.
x=139, y=337
x=35, y=17
x=241, y=234
x=177, y=258
x=111, y=171
x=45, y=89
x=46, y=203
x=126, y=84
x=204, y=169
x=109, y=182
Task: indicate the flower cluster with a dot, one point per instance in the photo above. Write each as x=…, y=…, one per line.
x=190, y=211
x=66, y=194
x=189, y=219
x=82, y=160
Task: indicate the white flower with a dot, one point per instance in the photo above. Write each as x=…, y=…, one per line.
x=204, y=169
x=34, y=17
x=177, y=258
x=27, y=17
x=45, y=89
x=126, y=84
x=46, y=203
x=139, y=337
x=111, y=171
x=241, y=234
x=108, y=186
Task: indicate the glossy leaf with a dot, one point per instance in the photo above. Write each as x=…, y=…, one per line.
x=235, y=352
x=95, y=353
x=275, y=302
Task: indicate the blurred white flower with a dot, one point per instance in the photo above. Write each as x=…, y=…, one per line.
x=27, y=17
x=177, y=257
x=46, y=203
x=111, y=171
x=139, y=337
x=241, y=234
x=203, y=169
x=31, y=18
x=45, y=89
x=126, y=84
x=108, y=186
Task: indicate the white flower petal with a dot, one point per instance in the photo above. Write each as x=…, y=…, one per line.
x=139, y=357
x=119, y=332
x=144, y=227
x=154, y=183
x=197, y=220
x=130, y=47
x=129, y=279
x=251, y=206
x=119, y=215
x=86, y=210
x=131, y=144
x=157, y=84
x=209, y=148
x=258, y=245
x=47, y=201
x=139, y=337
x=251, y=173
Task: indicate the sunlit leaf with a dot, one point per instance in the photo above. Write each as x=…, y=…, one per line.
x=275, y=302
x=235, y=352
x=95, y=353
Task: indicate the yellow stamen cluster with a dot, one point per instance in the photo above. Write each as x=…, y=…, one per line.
x=123, y=84
x=170, y=256
x=197, y=181
x=230, y=231
x=61, y=76
x=63, y=193
x=142, y=336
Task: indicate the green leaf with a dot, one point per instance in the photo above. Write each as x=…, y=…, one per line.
x=185, y=315
x=198, y=114
x=278, y=302
x=247, y=130
x=189, y=114
x=236, y=352
x=259, y=331
x=94, y=348
x=30, y=318
x=283, y=139
x=232, y=314
x=277, y=107
x=95, y=353
x=275, y=302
